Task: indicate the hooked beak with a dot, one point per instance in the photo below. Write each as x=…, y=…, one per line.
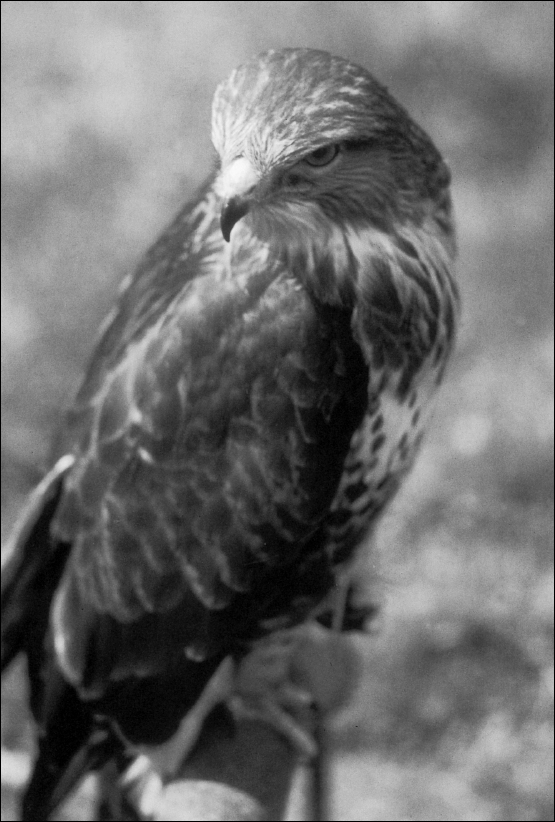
x=236, y=185
x=232, y=210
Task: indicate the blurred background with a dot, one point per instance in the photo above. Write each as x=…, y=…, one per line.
x=106, y=131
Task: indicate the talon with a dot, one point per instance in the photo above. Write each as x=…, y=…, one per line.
x=266, y=689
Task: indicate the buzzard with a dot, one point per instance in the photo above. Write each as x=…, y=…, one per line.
x=256, y=397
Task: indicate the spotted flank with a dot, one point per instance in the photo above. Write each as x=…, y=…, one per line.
x=382, y=451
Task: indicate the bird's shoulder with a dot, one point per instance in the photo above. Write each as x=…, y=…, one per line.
x=168, y=268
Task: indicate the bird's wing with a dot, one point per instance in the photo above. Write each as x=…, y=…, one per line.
x=204, y=450
x=208, y=449
x=30, y=558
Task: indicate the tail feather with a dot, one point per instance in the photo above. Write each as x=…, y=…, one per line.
x=32, y=564
x=54, y=778
x=31, y=559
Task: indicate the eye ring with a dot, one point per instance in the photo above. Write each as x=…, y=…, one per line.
x=322, y=156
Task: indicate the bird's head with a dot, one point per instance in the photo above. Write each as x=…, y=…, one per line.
x=309, y=143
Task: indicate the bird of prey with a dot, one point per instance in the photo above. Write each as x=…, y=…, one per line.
x=257, y=396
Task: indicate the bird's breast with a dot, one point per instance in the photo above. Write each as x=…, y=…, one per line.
x=382, y=450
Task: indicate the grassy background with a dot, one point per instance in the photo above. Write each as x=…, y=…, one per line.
x=105, y=132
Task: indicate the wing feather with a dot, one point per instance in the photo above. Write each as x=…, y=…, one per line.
x=30, y=560
x=199, y=459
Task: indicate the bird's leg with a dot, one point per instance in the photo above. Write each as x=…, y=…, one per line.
x=291, y=670
x=340, y=597
x=351, y=606
x=266, y=689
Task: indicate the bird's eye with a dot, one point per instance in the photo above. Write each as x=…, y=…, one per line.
x=322, y=156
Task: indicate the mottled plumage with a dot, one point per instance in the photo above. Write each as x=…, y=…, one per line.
x=250, y=409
